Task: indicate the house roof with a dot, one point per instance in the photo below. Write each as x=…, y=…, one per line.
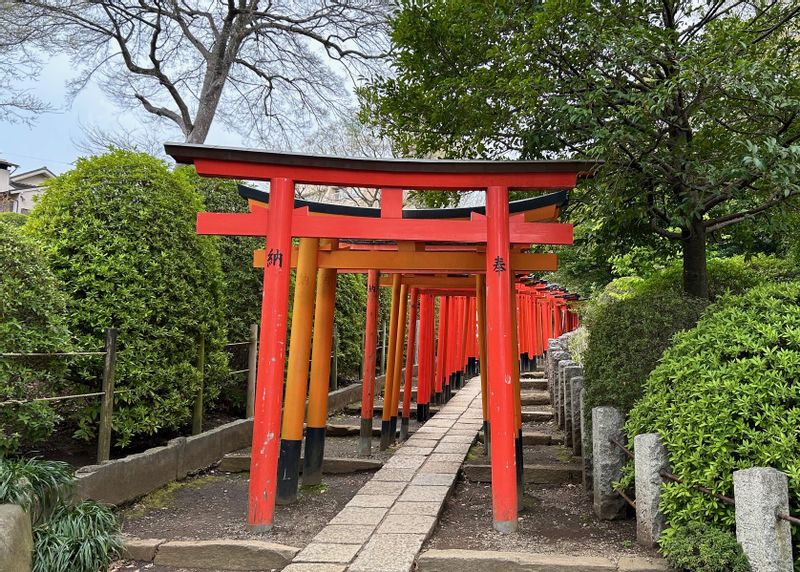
x=43, y=171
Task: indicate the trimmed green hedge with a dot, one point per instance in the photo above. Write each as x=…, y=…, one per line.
x=726, y=396
x=31, y=320
x=119, y=231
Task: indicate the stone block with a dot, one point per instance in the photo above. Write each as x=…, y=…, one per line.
x=393, y=488
x=438, y=457
x=389, y=553
x=760, y=494
x=412, y=450
x=407, y=524
x=373, y=501
x=315, y=567
x=586, y=447
x=453, y=447
x=428, y=508
x=490, y=561
x=203, y=450
x=434, y=479
x=328, y=552
x=638, y=564
x=405, y=462
x=651, y=458
x=224, y=554
x=16, y=539
x=576, y=386
x=142, y=549
x=386, y=474
x=344, y=534
x=608, y=460
x=358, y=515
x=440, y=468
x=424, y=493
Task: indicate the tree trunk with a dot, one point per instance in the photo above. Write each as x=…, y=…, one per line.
x=695, y=267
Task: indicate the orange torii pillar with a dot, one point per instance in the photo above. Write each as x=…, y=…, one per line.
x=386, y=416
x=272, y=356
x=440, y=351
x=317, y=418
x=480, y=306
x=425, y=371
x=450, y=335
x=501, y=363
x=368, y=370
x=398, y=362
x=297, y=371
x=409, y=373
x=517, y=398
x=463, y=368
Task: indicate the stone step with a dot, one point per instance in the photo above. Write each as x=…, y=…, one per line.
x=346, y=430
x=533, y=384
x=540, y=474
x=355, y=409
x=538, y=415
x=535, y=438
x=534, y=397
x=538, y=374
x=240, y=463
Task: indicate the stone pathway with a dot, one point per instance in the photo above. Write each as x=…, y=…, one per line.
x=385, y=524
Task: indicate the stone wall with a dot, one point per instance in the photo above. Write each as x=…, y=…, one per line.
x=16, y=542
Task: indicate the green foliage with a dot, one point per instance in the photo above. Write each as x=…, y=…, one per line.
x=32, y=319
x=119, y=231
x=14, y=219
x=634, y=321
x=82, y=537
x=698, y=547
x=242, y=282
x=725, y=397
x=694, y=107
x=578, y=343
x=351, y=308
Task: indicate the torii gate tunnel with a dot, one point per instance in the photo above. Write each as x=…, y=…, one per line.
x=484, y=245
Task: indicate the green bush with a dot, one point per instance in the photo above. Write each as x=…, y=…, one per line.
x=119, y=231
x=350, y=314
x=634, y=321
x=726, y=396
x=67, y=536
x=701, y=548
x=14, y=219
x=32, y=319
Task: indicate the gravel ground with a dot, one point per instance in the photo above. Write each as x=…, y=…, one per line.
x=556, y=519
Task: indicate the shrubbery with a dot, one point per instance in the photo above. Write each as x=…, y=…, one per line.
x=350, y=316
x=634, y=321
x=67, y=536
x=702, y=548
x=726, y=396
x=31, y=320
x=119, y=231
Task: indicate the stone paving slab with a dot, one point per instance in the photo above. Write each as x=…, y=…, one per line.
x=384, y=525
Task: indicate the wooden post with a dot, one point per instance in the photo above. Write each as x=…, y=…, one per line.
x=409, y=373
x=197, y=414
x=499, y=339
x=322, y=370
x=368, y=371
x=252, y=361
x=480, y=302
x=271, y=356
x=107, y=404
x=398, y=362
x=389, y=375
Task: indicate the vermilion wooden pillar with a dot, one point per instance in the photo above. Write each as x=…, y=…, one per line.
x=398, y=361
x=409, y=373
x=386, y=415
x=425, y=361
x=501, y=367
x=441, y=344
x=465, y=323
x=368, y=370
x=271, y=357
x=480, y=303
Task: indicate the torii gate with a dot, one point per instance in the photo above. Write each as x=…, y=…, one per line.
x=280, y=222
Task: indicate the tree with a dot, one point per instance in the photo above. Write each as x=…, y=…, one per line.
x=694, y=106
x=257, y=65
x=17, y=64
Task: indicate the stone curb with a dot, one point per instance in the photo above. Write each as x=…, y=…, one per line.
x=219, y=554
x=240, y=463
x=488, y=561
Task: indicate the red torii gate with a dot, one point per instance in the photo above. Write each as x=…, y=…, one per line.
x=280, y=222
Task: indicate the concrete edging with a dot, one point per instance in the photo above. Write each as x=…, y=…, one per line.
x=489, y=561
x=215, y=554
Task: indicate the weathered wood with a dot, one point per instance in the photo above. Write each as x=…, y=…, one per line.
x=107, y=403
x=197, y=413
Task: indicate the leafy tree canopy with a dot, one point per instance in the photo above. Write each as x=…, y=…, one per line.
x=694, y=106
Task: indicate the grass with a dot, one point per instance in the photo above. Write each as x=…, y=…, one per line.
x=164, y=497
x=313, y=490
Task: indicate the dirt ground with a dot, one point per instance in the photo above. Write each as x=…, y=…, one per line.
x=214, y=505
x=556, y=519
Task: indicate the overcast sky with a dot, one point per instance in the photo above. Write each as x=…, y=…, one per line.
x=52, y=141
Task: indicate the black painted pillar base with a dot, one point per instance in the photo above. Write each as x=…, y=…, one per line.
x=437, y=398
x=393, y=431
x=520, y=469
x=314, y=453
x=487, y=438
x=385, y=432
x=422, y=412
x=288, y=471
x=365, y=438
x=404, y=428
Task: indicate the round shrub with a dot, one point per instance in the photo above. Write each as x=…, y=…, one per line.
x=726, y=396
x=702, y=548
x=119, y=231
x=32, y=319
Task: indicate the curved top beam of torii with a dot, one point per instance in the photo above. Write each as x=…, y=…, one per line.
x=436, y=174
